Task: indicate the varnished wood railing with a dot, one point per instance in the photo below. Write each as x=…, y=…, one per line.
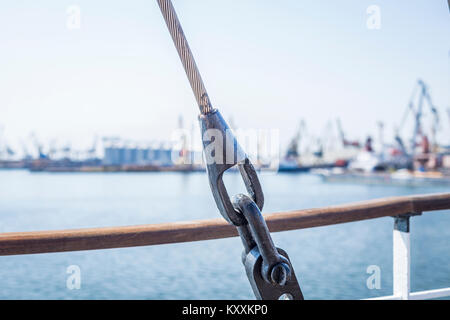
x=15, y=243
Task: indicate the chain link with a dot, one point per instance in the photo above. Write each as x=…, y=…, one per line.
x=269, y=269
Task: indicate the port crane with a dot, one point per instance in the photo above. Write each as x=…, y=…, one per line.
x=92, y=151
x=1, y=143
x=345, y=142
x=418, y=112
x=38, y=146
x=26, y=154
x=293, y=147
x=5, y=149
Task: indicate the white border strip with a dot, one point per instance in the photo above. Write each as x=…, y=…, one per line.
x=420, y=295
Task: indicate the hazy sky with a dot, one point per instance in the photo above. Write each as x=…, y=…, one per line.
x=267, y=64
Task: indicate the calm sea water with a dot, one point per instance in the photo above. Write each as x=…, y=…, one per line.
x=330, y=262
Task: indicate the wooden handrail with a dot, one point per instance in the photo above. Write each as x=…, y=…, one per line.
x=15, y=243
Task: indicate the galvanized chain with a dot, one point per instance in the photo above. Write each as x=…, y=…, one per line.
x=268, y=268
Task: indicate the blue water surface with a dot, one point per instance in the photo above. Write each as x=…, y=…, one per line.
x=330, y=262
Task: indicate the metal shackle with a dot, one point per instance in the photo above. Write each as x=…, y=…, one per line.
x=222, y=152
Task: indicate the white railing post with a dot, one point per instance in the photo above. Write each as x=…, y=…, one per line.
x=402, y=266
x=402, y=257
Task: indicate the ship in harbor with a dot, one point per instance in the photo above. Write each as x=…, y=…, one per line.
x=423, y=162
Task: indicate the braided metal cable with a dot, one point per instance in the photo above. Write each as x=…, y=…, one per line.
x=186, y=56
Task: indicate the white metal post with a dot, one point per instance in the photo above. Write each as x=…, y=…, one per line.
x=402, y=257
